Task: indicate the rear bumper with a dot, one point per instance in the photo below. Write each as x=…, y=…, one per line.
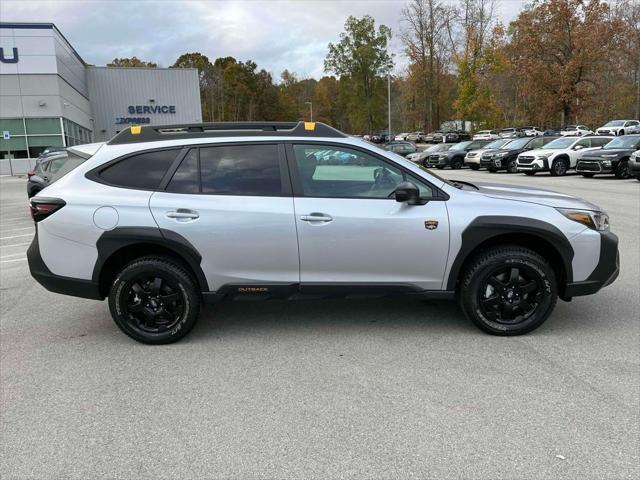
x=604, y=274
x=57, y=283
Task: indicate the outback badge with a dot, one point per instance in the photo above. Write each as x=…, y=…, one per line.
x=431, y=224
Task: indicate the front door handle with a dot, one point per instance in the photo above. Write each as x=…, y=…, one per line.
x=183, y=215
x=316, y=217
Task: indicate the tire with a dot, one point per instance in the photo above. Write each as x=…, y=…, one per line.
x=524, y=295
x=456, y=164
x=587, y=175
x=622, y=170
x=530, y=173
x=559, y=168
x=474, y=167
x=491, y=170
x=174, y=300
x=512, y=167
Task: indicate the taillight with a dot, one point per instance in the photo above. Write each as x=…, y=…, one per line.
x=30, y=173
x=41, y=208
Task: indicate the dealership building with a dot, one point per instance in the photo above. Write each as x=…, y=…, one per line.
x=49, y=96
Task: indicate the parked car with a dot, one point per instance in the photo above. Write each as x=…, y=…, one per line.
x=575, y=131
x=416, y=137
x=472, y=158
x=422, y=158
x=486, y=135
x=401, y=136
x=50, y=169
x=401, y=148
x=454, y=156
x=619, y=127
x=559, y=155
x=160, y=220
x=612, y=158
x=552, y=132
x=438, y=136
x=455, y=136
x=420, y=155
x=634, y=165
x=433, y=137
x=530, y=131
x=511, y=133
x=505, y=158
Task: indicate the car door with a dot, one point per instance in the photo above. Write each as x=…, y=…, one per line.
x=578, y=147
x=351, y=231
x=233, y=203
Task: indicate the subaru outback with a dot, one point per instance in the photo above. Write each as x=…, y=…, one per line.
x=161, y=219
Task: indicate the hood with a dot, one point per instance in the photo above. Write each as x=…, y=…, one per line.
x=534, y=195
x=601, y=152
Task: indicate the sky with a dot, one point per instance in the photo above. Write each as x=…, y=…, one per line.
x=276, y=34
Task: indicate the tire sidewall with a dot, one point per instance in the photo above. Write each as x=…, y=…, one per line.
x=119, y=290
x=469, y=296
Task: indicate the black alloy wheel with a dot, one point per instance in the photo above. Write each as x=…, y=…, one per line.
x=508, y=290
x=154, y=300
x=622, y=170
x=456, y=164
x=512, y=167
x=510, y=294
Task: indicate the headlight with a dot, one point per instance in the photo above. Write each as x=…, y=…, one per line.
x=501, y=154
x=542, y=157
x=594, y=220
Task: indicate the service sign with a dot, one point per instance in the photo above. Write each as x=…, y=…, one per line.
x=144, y=110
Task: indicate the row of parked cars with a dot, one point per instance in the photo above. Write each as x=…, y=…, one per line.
x=589, y=155
x=614, y=128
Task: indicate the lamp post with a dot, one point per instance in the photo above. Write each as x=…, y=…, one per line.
x=389, y=107
x=310, y=110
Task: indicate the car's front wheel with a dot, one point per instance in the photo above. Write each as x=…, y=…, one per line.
x=154, y=300
x=508, y=290
x=559, y=168
x=512, y=167
x=622, y=171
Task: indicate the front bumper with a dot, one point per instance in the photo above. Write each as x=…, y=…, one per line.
x=604, y=274
x=57, y=283
x=593, y=166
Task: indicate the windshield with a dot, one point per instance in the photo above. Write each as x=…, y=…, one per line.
x=496, y=144
x=614, y=123
x=559, y=143
x=623, y=142
x=460, y=146
x=517, y=144
x=443, y=147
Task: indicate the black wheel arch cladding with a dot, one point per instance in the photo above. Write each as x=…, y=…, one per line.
x=485, y=228
x=115, y=240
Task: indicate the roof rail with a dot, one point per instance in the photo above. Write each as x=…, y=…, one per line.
x=151, y=133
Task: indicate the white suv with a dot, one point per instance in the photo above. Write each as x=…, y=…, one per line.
x=619, y=127
x=559, y=155
x=161, y=219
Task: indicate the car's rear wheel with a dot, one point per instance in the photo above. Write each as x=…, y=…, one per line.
x=154, y=300
x=559, y=168
x=508, y=290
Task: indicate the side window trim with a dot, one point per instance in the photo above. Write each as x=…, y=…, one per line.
x=296, y=183
x=172, y=169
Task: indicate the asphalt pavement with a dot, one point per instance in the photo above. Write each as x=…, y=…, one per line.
x=323, y=389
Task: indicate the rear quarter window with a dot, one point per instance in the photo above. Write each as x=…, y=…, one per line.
x=142, y=171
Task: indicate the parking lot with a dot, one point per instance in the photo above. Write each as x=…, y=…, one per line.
x=333, y=389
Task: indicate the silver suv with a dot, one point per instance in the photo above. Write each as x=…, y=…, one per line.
x=161, y=219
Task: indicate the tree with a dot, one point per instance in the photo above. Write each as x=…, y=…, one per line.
x=561, y=50
x=206, y=79
x=131, y=62
x=361, y=57
x=426, y=42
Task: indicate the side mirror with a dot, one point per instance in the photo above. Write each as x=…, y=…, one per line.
x=408, y=192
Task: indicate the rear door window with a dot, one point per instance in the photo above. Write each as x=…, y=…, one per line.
x=250, y=170
x=142, y=171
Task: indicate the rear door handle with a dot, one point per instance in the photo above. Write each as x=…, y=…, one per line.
x=316, y=217
x=183, y=215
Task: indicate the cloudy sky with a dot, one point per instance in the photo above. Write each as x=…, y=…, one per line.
x=290, y=34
